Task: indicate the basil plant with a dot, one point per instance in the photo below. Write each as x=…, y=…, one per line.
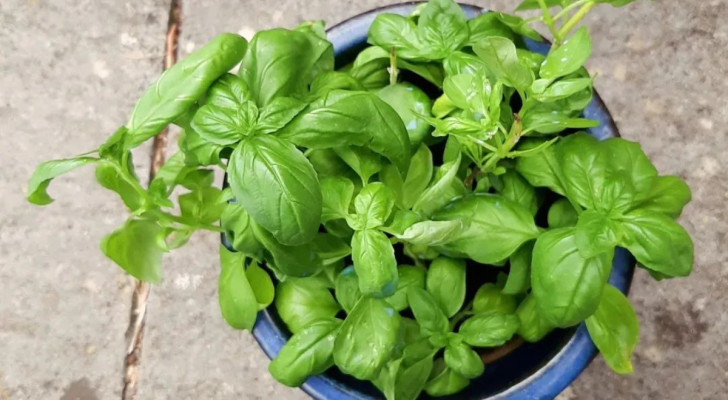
x=360, y=201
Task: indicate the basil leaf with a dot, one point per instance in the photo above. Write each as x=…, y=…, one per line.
x=410, y=103
x=44, y=174
x=541, y=169
x=363, y=161
x=278, y=187
x=344, y=118
x=366, y=339
x=596, y=233
x=548, y=121
x=442, y=190
x=567, y=286
x=327, y=163
x=330, y=248
x=534, y=4
x=627, y=157
x=300, y=302
x=237, y=299
x=584, y=165
x=279, y=112
x=431, y=233
x=374, y=262
x=239, y=231
x=307, y=353
x=418, y=177
x=347, y=288
x=225, y=126
x=317, y=28
x=488, y=25
x=181, y=86
x=445, y=381
x=337, y=193
x=229, y=92
x=427, y=311
x=281, y=63
x=668, y=195
x=519, y=275
x=658, y=243
x=532, y=61
x=463, y=360
x=370, y=68
x=196, y=150
x=134, y=248
x=262, y=285
x=501, y=59
x=459, y=62
x=568, y=57
x=391, y=30
x=297, y=261
x=562, y=214
x=373, y=205
x=561, y=89
x=489, y=329
x=407, y=276
x=411, y=379
x=446, y=283
x=492, y=219
x=490, y=298
x=519, y=26
x=516, y=188
x=442, y=28
x=533, y=327
x=333, y=80
x=109, y=176
x=615, y=330
x=203, y=206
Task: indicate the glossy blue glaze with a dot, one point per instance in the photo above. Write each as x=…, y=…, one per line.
x=533, y=371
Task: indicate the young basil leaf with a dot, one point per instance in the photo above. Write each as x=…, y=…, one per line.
x=501, y=59
x=488, y=330
x=229, y=92
x=330, y=248
x=490, y=298
x=333, y=80
x=407, y=276
x=370, y=68
x=628, y=158
x=347, y=288
x=658, y=243
x=568, y=57
x=225, y=126
x=196, y=150
x=173, y=173
x=445, y=381
x=278, y=187
x=531, y=60
x=203, y=206
x=501, y=223
x=418, y=177
x=395, y=31
x=366, y=339
x=562, y=214
x=109, y=176
x=411, y=378
x=327, y=163
x=134, y=248
x=668, y=195
x=548, y=121
x=374, y=262
x=337, y=193
x=373, y=205
x=237, y=299
x=44, y=174
x=297, y=261
x=519, y=26
x=300, y=302
x=541, y=169
x=516, y=188
x=519, y=275
x=262, y=285
x=309, y=352
x=596, y=233
x=442, y=107
x=239, y=232
x=446, y=283
x=442, y=28
x=463, y=360
x=410, y=103
x=615, y=330
x=363, y=161
x=401, y=221
x=567, y=286
x=427, y=311
x=488, y=25
x=431, y=233
x=344, y=118
x=560, y=90
x=278, y=113
x=533, y=327
x=461, y=90
x=281, y=63
x=584, y=164
x=317, y=28
x=182, y=85
x=442, y=190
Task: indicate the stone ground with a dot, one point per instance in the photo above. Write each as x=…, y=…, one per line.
x=70, y=72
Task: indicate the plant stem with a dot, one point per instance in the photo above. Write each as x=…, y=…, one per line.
x=565, y=11
x=549, y=22
x=393, y=71
x=138, y=313
x=576, y=18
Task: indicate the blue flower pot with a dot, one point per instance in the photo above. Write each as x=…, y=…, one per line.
x=533, y=370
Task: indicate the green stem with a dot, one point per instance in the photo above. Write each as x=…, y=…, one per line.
x=576, y=18
x=565, y=11
x=393, y=71
x=465, y=312
x=549, y=21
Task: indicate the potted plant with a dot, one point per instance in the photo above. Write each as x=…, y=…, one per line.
x=431, y=205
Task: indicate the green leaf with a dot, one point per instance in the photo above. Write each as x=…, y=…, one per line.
x=330, y=248
x=134, y=248
x=391, y=30
x=370, y=68
x=567, y=286
x=373, y=206
x=237, y=299
x=531, y=60
x=446, y=283
x=445, y=381
x=519, y=275
x=568, y=57
x=668, y=195
x=239, y=232
x=427, y=311
x=463, y=360
x=615, y=330
x=203, y=206
x=374, y=262
x=366, y=339
x=281, y=63
x=561, y=89
x=562, y=214
x=278, y=187
x=489, y=329
x=410, y=103
x=262, y=285
x=501, y=59
x=516, y=188
x=492, y=219
x=616, y=3
x=548, y=121
x=225, y=126
x=431, y=233
x=534, y=4
x=418, y=177
x=347, y=288
x=488, y=25
x=48, y=170
x=333, y=80
x=596, y=233
x=407, y=276
x=442, y=190
x=297, y=261
x=490, y=298
x=404, y=380
x=337, y=193
x=541, y=169
x=228, y=92
x=584, y=166
x=182, y=85
x=109, y=176
x=519, y=26
x=442, y=28
x=307, y=353
x=363, y=161
x=459, y=62
x=533, y=327
x=317, y=28
x=345, y=118
x=658, y=243
x=196, y=150
x=401, y=221
x=300, y=302
x=279, y=112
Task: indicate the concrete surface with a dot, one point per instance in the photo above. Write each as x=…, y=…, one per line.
x=70, y=72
